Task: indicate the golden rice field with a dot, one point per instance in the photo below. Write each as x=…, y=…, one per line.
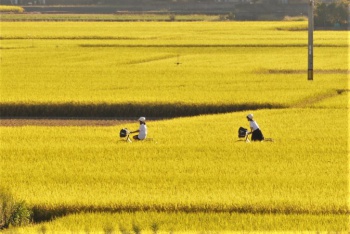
x=193, y=166
x=167, y=69
x=195, y=175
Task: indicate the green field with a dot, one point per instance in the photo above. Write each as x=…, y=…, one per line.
x=195, y=175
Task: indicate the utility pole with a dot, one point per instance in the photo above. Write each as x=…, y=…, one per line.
x=310, y=71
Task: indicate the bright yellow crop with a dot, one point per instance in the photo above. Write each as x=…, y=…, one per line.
x=177, y=64
x=193, y=164
x=13, y=9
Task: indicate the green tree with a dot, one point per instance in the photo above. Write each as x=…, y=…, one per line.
x=335, y=13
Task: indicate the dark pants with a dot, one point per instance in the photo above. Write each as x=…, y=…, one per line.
x=257, y=135
x=136, y=137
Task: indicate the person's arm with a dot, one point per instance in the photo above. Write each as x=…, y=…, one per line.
x=251, y=131
x=135, y=131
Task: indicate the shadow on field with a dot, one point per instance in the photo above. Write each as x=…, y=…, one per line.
x=290, y=71
x=103, y=110
x=44, y=214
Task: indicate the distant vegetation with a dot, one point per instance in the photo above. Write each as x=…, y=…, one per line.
x=295, y=18
x=109, y=17
x=335, y=14
x=11, y=9
x=332, y=14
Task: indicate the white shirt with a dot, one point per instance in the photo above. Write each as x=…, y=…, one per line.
x=253, y=125
x=143, y=132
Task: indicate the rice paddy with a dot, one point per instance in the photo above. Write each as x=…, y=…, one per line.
x=195, y=175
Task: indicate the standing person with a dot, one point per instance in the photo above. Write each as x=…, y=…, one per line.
x=254, y=129
x=142, y=130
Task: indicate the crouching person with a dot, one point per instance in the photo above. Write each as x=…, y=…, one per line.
x=254, y=129
x=142, y=130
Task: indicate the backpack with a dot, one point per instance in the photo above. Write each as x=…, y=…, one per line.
x=124, y=132
x=242, y=132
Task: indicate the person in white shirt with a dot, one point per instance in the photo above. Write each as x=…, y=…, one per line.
x=142, y=130
x=254, y=129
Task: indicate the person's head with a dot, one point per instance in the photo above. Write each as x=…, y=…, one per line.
x=250, y=117
x=142, y=120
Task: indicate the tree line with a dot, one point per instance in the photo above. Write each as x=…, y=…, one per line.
x=331, y=14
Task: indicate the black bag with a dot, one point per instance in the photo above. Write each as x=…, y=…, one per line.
x=242, y=132
x=124, y=132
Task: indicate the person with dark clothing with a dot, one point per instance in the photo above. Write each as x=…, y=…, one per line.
x=254, y=129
